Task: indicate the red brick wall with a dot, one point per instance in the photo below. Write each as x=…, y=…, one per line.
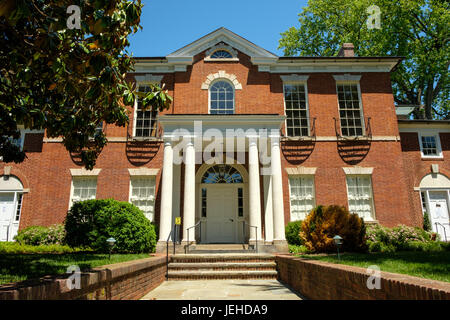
x=47, y=173
x=320, y=280
x=418, y=168
x=122, y=281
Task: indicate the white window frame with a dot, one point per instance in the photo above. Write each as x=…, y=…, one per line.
x=135, y=106
x=428, y=133
x=358, y=86
x=130, y=193
x=234, y=96
x=312, y=177
x=372, y=202
x=296, y=83
x=72, y=188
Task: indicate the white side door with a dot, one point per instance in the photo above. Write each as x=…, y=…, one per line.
x=221, y=214
x=7, y=206
x=439, y=213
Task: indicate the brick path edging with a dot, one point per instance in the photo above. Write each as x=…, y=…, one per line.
x=121, y=281
x=323, y=280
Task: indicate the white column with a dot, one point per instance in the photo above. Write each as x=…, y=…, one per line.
x=189, y=193
x=254, y=190
x=268, y=209
x=165, y=219
x=277, y=192
x=176, y=197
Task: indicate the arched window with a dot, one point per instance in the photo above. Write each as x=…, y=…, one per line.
x=221, y=54
x=221, y=97
x=222, y=173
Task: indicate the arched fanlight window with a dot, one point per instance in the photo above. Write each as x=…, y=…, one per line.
x=221, y=98
x=222, y=173
x=221, y=54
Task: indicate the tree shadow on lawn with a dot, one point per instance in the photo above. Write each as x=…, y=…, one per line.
x=29, y=266
x=416, y=263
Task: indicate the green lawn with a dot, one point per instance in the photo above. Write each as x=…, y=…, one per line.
x=19, y=267
x=430, y=265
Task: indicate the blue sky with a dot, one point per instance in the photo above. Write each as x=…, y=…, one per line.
x=171, y=24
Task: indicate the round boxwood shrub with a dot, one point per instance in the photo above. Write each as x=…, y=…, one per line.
x=293, y=229
x=89, y=223
x=40, y=235
x=325, y=222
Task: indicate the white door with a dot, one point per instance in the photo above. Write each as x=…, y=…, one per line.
x=439, y=213
x=7, y=206
x=221, y=208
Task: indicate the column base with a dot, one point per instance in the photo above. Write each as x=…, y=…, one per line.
x=281, y=246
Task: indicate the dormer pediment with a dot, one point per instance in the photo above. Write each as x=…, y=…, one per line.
x=221, y=38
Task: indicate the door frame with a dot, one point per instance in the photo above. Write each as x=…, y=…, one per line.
x=13, y=222
x=426, y=191
x=237, y=220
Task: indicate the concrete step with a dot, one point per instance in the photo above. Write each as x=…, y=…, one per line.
x=222, y=257
x=197, y=251
x=212, y=275
x=224, y=266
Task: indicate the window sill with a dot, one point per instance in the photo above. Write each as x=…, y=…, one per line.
x=297, y=138
x=146, y=138
x=437, y=158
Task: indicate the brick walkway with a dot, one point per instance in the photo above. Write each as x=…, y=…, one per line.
x=222, y=290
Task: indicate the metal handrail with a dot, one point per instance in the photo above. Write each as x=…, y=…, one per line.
x=187, y=231
x=167, y=249
x=311, y=129
x=256, y=234
x=443, y=227
x=367, y=135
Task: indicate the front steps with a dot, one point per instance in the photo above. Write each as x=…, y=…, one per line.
x=222, y=266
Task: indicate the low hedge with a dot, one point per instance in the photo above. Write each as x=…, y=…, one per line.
x=40, y=235
x=17, y=248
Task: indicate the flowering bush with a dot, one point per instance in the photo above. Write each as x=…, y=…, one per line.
x=39, y=235
x=383, y=239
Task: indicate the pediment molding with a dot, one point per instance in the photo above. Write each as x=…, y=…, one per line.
x=215, y=38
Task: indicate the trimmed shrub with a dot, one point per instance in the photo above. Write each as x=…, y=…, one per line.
x=325, y=222
x=39, y=235
x=292, y=231
x=89, y=223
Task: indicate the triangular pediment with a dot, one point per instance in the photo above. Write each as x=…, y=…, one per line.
x=222, y=35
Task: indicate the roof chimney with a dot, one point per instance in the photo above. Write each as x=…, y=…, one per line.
x=347, y=50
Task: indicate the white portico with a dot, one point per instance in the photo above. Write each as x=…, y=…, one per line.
x=224, y=158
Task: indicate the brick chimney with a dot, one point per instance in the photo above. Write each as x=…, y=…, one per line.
x=347, y=50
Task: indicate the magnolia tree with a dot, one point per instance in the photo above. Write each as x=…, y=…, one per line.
x=62, y=68
x=415, y=29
